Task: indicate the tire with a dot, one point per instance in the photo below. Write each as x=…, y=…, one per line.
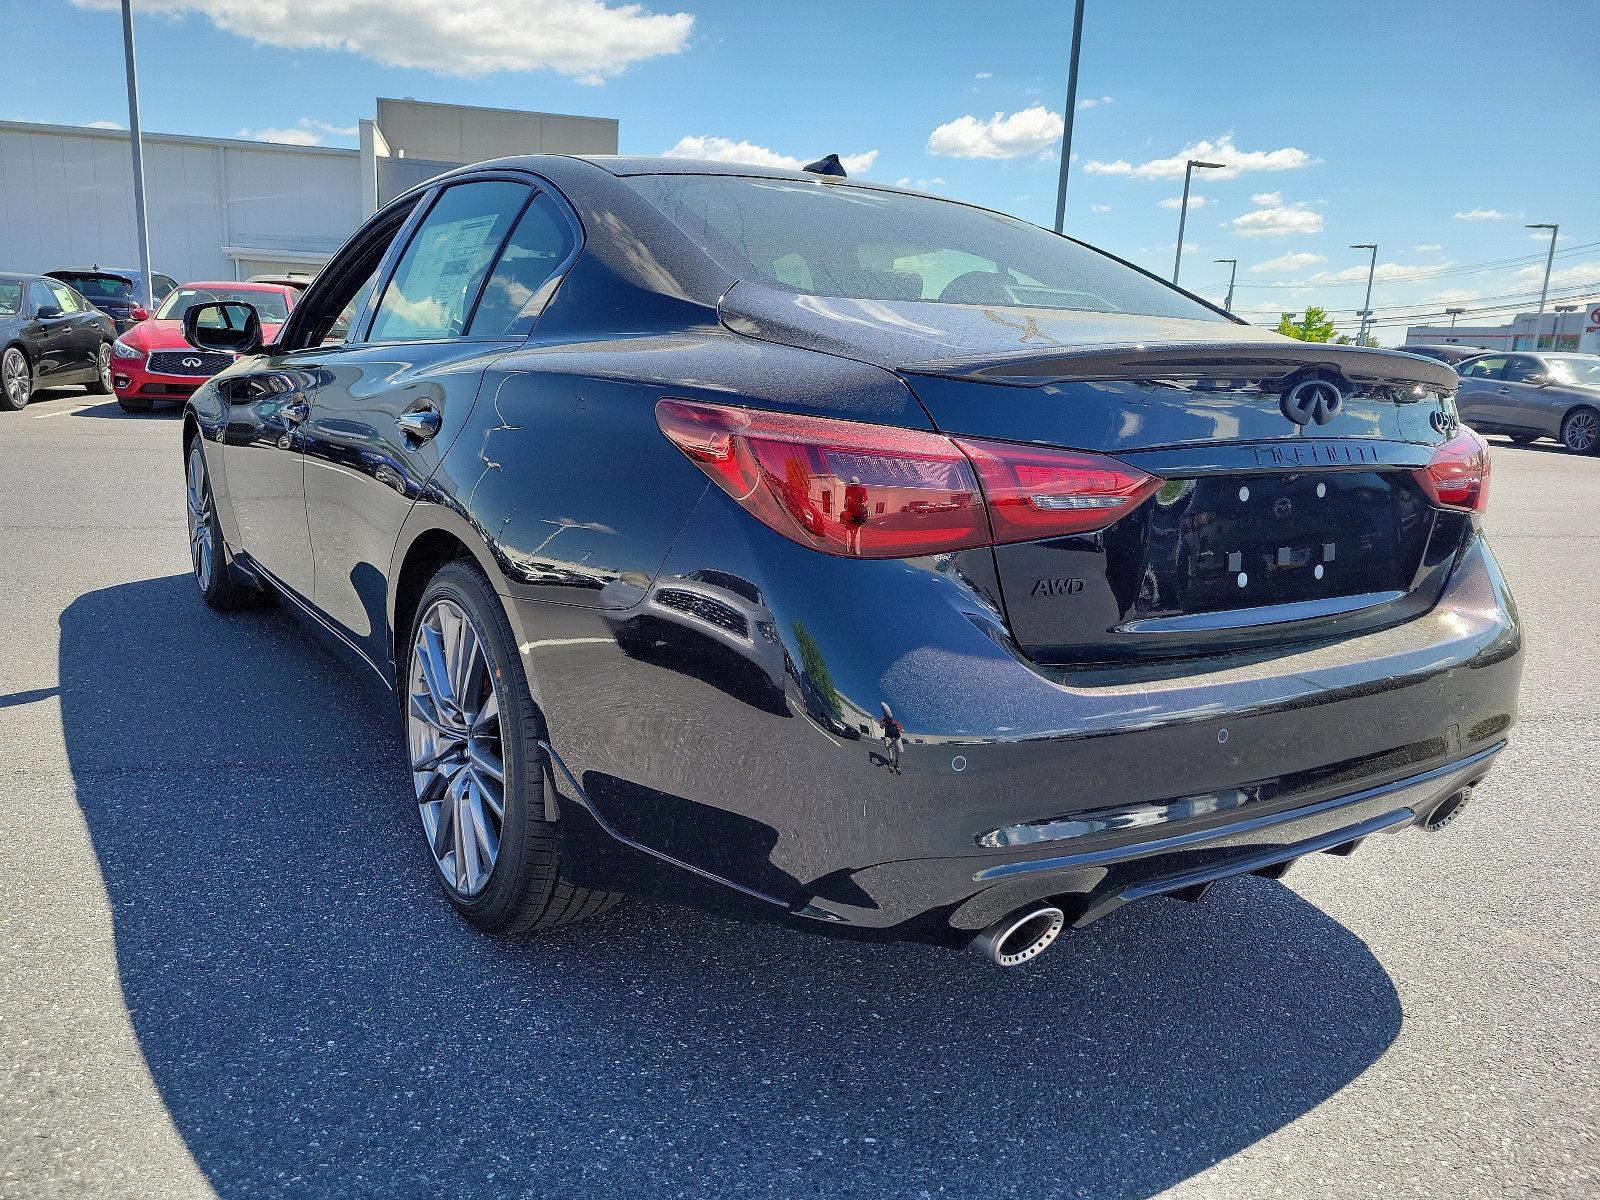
x=525, y=887
x=1524, y=439
x=1580, y=431
x=219, y=583
x=16, y=380
x=135, y=404
x=100, y=385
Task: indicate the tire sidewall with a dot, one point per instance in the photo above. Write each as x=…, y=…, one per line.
x=1566, y=424
x=27, y=372
x=502, y=898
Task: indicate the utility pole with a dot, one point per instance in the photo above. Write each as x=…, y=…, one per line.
x=1183, y=208
x=1366, y=308
x=1548, y=262
x=1232, y=275
x=1066, y=122
x=141, y=220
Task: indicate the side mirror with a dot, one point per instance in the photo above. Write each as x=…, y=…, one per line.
x=50, y=312
x=232, y=327
x=1538, y=380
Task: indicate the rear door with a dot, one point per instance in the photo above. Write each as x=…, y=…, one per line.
x=83, y=329
x=388, y=406
x=1532, y=405
x=1482, y=400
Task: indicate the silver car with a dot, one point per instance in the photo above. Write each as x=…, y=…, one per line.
x=1530, y=396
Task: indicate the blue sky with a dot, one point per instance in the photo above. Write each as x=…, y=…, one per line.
x=1434, y=130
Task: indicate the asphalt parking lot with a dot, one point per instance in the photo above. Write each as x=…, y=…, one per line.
x=226, y=969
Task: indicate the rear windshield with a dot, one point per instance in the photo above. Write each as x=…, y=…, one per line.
x=272, y=306
x=826, y=240
x=98, y=287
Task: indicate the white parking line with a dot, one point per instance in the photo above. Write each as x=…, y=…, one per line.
x=61, y=412
x=526, y=646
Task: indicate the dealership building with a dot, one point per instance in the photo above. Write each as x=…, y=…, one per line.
x=1577, y=329
x=221, y=208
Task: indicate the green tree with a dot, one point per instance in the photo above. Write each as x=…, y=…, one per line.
x=1315, y=326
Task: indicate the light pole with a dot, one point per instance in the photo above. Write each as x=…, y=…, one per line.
x=1548, y=262
x=1232, y=275
x=1555, y=327
x=1066, y=124
x=1453, y=313
x=141, y=221
x=1366, y=308
x=1183, y=209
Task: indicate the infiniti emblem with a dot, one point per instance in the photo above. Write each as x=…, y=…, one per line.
x=1311, y=400
x=191, y=361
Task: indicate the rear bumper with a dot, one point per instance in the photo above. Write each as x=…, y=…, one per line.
x=1016, y=783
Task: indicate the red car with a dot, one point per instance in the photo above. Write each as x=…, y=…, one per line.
x=152, y=362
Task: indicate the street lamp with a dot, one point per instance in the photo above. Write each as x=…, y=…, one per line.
x=1183, y=210
x=141, y=222
x=1232, y=275
x=1066, y=124
x=1366, y=308
x=1548, y=262
x=1555, y=326
x=1453, y=313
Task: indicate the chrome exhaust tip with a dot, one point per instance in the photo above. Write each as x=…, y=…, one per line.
x=1447, y=810
x=1024, y=935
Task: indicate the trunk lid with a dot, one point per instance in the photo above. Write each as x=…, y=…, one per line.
x=1281, y=520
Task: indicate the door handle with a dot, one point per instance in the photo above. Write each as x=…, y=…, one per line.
x=295, y=411
x=1504, y=391
x=421, y=423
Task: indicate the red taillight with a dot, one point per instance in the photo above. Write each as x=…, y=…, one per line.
x=1458, y=474
x=1035, y=493
x=874, y=491
x=139, y=313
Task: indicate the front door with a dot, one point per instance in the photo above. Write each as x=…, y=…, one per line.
x=53, y=342
x=83, y=334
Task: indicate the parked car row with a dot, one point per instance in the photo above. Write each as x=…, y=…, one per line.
x=89, y=326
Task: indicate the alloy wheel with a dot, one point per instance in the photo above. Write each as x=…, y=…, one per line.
x=14, y=377
x=202, y=549
x=1583, y=431
x=457, y=751
x=103, y=365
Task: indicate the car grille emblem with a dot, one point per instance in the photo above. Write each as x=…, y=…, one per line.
x=193, y=362
x=1311, y=400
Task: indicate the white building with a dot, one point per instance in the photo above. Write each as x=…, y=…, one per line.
x=1576, y=330
x=221, y=208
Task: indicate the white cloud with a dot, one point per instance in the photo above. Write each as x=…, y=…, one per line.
x=1267, y=198
x=926, y=185
x=721, y=149
x=1427, y=248
x=1001, y=136
x=1099, y=208
x=1383, y=272
x=588, y=40
x=344, y=131
x=984, y=75
x=1235, y=161
x=1177, y=202
x=106, y=125
x=1094, y=102
x=1543, y=235
x=288, y=137
x=1578, y=274
x=1481, y=214
x=1277, y=220
x=1297, y=260
x=1453, y=296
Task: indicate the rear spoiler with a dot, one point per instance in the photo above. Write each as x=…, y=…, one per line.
x=1220, y=361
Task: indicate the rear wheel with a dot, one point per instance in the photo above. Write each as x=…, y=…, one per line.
x=100, y=385
x=217, y=581
x=16, y=380
x=1580, y=432
x=479, y=772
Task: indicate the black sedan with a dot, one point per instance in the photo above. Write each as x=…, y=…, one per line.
x=50, y=335
x=1073, y=590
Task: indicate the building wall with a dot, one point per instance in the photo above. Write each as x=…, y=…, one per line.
x=1577, y=330
x=218, y=208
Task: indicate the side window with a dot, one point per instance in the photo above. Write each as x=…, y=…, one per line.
x=66, y=298
x=164, y=285
x=1483, y=368
x=516, y=293
x=442, y=271
x=40, y=296
x=326, y=311
x=339, y=332
x=1520, y=368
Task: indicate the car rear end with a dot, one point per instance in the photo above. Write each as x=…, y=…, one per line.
x=1151, y=600
x=114, y=293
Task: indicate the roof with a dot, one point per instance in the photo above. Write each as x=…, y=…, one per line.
x=625, y=164
x=237, y=285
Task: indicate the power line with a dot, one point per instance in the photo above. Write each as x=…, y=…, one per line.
x=1424, y=273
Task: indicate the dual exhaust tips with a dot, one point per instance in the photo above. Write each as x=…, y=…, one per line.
x=1020, y=937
